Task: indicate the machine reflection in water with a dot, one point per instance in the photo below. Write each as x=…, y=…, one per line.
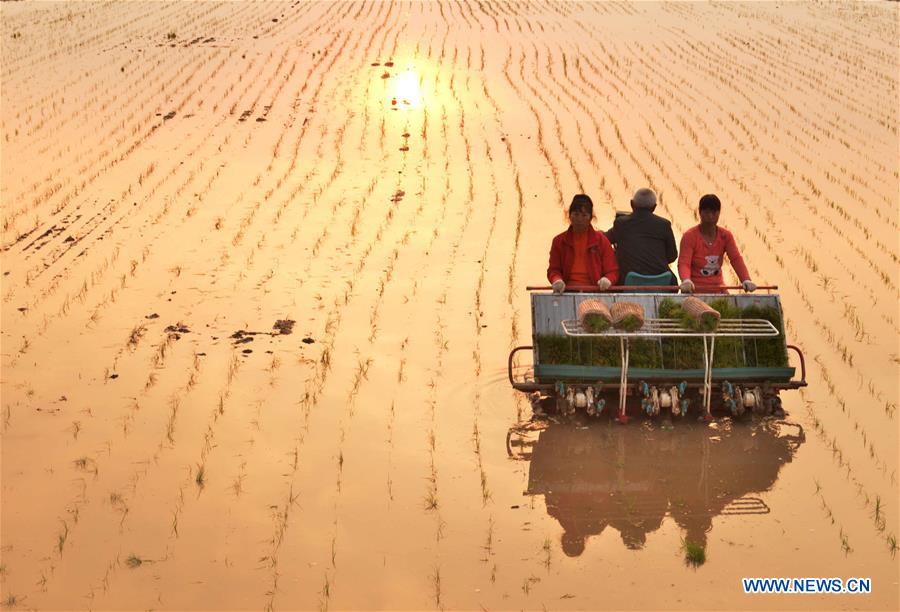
x=630, y=478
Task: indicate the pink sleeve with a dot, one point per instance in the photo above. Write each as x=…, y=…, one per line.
x=685, y=255
x=734, y=256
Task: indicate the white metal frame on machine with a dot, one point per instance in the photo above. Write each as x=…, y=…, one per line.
x=672, y=328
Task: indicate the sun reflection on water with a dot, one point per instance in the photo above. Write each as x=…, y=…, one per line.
x=405, y=89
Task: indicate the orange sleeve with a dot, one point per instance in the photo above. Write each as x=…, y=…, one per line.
x=554, y=268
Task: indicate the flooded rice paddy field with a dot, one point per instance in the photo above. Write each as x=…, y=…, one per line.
x=263, y=264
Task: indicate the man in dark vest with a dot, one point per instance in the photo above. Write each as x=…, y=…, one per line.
x=644, y=242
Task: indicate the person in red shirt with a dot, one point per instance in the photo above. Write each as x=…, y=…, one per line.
x=702, y=252
x=582, y=256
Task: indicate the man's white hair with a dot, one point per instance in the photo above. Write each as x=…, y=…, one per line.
x=644, y=198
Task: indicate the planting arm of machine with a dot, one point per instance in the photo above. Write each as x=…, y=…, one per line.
x=671, y=328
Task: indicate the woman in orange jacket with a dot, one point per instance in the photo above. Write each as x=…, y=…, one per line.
x=582, y=256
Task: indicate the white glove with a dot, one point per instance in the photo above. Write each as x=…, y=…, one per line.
x=687, y=286
x=559, y=286
x=603, y=284
x=749, y=285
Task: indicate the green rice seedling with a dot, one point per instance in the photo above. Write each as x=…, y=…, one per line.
x=61, y=537
x=237, y=485
x=485, y=491
x=729, y=352
x=326, y=594
x=892, y=544
x=765, y=352
x=489, y=540
x=436, y=585
x=553, y=349
x=11, y=601
x=679, y=353
x=85, y=464
x=200, y=478
x=431, y=501
x=151, y=380
x=595, y=323
x=694, y=554
x=845, y=544
x=630, y=323
x=700, y=324
x=133, y=561
x=878, y=514
x=645, y=354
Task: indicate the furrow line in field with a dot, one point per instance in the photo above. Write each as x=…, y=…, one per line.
x=456, y=8
x=610, y=71
x=64, y=198
x=98, y=100
x=872, y=504
x=34, y=64
x=122, y=109
x=94, y=465
x=249, y=84
x=806, y=44
x=652, y=156
x=291, y=197
x=183, y=186
x=611, y=160
x=555, y=107
x=816, y=82
x=650, y=87
x=198, y=475
x=520, y=210
x=489, y=12
x=323, y=189
x=541, y=145
x=28, y=135
x=830, y=223
x=84, y=228
x=96, y=227
x=565, y=82
x=834, y=178
x=316, y=386
x=744, y=92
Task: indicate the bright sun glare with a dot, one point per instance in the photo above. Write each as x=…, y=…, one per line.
x=405, y=90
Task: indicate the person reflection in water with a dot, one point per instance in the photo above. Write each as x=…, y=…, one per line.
x=629, y=479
